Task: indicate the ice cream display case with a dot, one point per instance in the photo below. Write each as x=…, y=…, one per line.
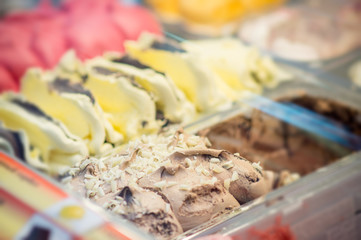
x=179, y=139
x=281, y=149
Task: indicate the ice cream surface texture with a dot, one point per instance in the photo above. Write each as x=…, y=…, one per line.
x=194, y=182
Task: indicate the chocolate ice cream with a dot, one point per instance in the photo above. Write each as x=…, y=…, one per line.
x=194, y=198
x=170, y=182
x=146, y=209
x=278, y=145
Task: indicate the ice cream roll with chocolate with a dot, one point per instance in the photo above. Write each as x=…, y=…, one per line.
x=127, y=105
x=169, y=100
x=185, y=69
x=237, y=66
x=243, y=179
x=53, y=147
x=194, y=198
x=71, y=104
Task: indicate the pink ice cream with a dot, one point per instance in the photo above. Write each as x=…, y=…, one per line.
x=39, y=37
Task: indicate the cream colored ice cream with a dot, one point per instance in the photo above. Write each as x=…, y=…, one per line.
x=69, y=103
x=126, y=104
x=53, y=147
x=237, y=66
x=168, y=98
x=193, y=78
x=211, y=73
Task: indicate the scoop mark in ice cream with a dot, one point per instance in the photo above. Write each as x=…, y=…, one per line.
x=64, y=85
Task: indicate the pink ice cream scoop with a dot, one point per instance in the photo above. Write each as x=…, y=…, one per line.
x=39, y=37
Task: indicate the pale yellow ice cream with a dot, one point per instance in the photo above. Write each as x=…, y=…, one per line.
x=238, y=67
x=211, y=73
x=167, y=97
x=193, y=78
x=127, y=105
x=68, y=103
x=54, y=148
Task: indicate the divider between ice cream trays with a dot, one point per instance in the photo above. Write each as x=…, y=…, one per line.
x=298, y=116
x=304, y=119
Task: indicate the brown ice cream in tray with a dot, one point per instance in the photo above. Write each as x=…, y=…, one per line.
x=278, y=145
x=168, y=184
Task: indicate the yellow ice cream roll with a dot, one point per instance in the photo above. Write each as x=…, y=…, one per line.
x=170, y=101
x=69, y=103
x=53, y=147
x=127, y=105
x=239, y=67
x=188, y=74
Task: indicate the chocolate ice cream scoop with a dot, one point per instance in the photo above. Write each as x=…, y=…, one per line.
x=244, y=180
x=194, y=198
x=144, y=208
x=169, y=183
x=121, y=195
